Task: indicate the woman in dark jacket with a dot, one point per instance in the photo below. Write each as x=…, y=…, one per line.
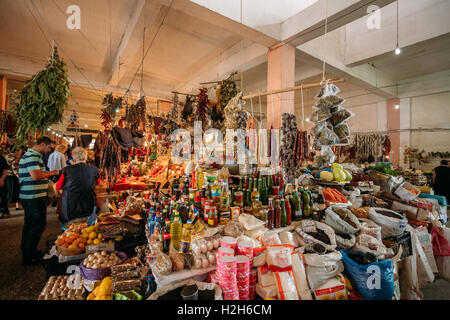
x=78, y=184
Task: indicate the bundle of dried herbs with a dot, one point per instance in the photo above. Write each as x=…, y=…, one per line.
x=42, y=100
x=202, y=106
x=188, y=106
x=174, y=113
x=110, y=158
x=136, y=114
x=109, y=112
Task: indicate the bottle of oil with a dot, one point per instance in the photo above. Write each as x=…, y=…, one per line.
x=175, y=232
x=186, y=235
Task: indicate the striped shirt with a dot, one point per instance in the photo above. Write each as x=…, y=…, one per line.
x=29, y=188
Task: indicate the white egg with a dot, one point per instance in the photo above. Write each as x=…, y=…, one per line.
x=104, y=253
x=91, y=258
x=216, y=243
x=209, y=245
x=197, y=251
x=211, y=258
x=198, y=263
x=95, y=266
x=203, y=248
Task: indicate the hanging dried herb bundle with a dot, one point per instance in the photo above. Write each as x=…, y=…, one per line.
x=42, y=100
x=109, y=112
x=99, y=142
x=174, y=113
x=136, y=114
x=202, y=106
x=110, y=159
x=188, y=106
x=228, y=90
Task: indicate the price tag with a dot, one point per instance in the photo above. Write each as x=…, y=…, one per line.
x=309, y=226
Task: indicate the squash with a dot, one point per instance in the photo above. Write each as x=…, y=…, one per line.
x=326, y=175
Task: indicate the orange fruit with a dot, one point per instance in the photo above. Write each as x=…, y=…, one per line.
x=81, y=245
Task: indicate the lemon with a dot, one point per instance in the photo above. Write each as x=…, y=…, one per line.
x=85, y=235
x=99, y=236
x=90, y=229
x=90, y=241
x=97, y=241
x=92, y=235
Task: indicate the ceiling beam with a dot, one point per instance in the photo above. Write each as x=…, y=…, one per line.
x=310, y=23
x=129, y=29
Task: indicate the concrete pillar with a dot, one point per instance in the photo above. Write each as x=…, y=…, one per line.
x=393, y=123
x=280, y=74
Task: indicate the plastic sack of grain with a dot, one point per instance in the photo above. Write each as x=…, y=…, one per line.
x=287, y=237
x=371, y=228
x=278, y=257
x=312, y=232
x=298, y=269
x=259, y=256
x=392, y=223
x=342, y=220
x=270, y=238
x=250, y=222
x=367, y=243
x=322, y=267
x=286, y=287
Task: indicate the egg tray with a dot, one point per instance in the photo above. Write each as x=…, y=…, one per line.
x=56, y=289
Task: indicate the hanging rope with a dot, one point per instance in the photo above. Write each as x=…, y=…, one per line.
x=326, y=30
x=260, y=111
x=303, y=108
x=251, y=103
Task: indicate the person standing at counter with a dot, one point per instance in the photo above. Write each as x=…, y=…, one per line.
x=33, y=179
x=441, y=180
x=78, y=182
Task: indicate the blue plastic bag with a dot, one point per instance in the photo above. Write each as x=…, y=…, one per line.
x=374, y=281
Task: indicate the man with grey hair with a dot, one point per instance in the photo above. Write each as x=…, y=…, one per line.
x=78, y=184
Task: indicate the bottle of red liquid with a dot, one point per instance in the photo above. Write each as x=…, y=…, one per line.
x=288, y=210
x=281, y=180
x=277, y=210
x=270, y=215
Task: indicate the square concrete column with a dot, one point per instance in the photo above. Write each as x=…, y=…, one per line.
x=393, y=123
x=280, y=74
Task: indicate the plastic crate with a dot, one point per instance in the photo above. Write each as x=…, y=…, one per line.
x=405, y=240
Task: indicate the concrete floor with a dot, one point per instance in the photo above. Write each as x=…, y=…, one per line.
x=25, y=283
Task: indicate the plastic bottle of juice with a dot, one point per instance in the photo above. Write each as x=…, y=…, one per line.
x=186, y=234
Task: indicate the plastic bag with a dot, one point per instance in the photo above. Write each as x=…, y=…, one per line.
x=298, y=269
x=287, y=237
x=340, y=116
x=392, y=223
x=424, y=271
x=443, y=262
x=342, y=131
x=320, y=114
x=256, y=232
x=342, y=220
x=177, y=259
x=162, y=264
x=327, y=137
x=250, y=222
x=259, y=256
x=328, y=89
x=233, y=229
x=278, y=257
x=321, y=268
x=286, y=287
x=329, y=101
x=367, y=243
x=270, y=238
x=371, y=286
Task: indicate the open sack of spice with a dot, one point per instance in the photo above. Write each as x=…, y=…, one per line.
x=315, y=236
x=342, y=220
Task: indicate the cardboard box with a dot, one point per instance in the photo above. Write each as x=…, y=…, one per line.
x=100, y=247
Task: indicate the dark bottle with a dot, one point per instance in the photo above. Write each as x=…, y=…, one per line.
x=283, y=213
x=251, y=185
x=288, y=211
x=245, y=185
x=240, y=184
x=296, y=207
x=270, y=184
x=166, y=236
x=277, y=211
x=306, y=200
x=264, y=193
x=270, y=215
x=281, y=180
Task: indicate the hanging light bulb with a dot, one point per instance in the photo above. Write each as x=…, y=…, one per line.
x=307, y=120
x=397, y=106
x=398, y=51
x=85, y=125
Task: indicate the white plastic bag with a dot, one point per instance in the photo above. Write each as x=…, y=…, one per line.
x=270, y=238
x=424, y=272
x=343, y=243
x=371, y=228
x=278, y=257
x=337, y=222
x=443, y=262
x=298, y=269
x=250, y=222
x=287, y=237
x=321, y=268
x=286, y=285
x=390, y=227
